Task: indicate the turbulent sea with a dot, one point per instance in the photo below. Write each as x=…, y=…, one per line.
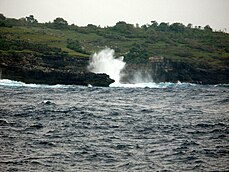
x=158, y=127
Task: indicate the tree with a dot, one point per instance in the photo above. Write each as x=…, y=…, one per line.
x=123, y=27
x=154, y=23
x=137, y=25
x=177, y=27
x=208, y=28
x=31, y=19
x=189, y=26
x=60, y=22
x=2, y=17
x=144, y=27
x=163, y=27
x=2, y=20
x=92, y=26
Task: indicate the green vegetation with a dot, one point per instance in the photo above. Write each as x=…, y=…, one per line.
x=75, y=45
x=195, y=45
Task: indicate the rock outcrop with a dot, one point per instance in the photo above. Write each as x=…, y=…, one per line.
x=160, y=69
x=50, y=69
x=63, y=69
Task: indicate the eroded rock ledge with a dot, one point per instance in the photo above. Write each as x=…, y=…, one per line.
x=50, y=69
x=161, y=69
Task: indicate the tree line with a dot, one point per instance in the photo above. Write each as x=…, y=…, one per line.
x=136, y=42
x=120, y=26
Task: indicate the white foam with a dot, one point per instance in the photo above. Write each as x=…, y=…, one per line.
x=152, y=85
x=105, y=62
x=11, y=83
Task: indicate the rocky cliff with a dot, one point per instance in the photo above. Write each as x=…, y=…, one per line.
x=160, y=69
x=63, y=69
x=49, y=69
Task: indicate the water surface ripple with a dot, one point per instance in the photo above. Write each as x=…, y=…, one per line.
x=114, y=129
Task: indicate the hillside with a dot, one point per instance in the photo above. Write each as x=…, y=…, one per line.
x=184, y=46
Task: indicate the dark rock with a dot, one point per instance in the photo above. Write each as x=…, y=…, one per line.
x=63, y=69
x=50, y=70
x=169, y=71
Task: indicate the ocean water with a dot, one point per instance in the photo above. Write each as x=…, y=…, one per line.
x=141, y=127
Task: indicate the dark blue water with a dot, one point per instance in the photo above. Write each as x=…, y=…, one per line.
x=114, y=129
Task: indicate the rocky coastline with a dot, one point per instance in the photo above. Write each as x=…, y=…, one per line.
x=165, y=70
x=63, y=69
x=50, y=69
x=58, y=53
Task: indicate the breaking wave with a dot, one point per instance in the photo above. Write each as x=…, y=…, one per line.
x=105, y=62
x=154, y=85
x=11, y=83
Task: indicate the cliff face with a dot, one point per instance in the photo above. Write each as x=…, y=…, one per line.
x=42, y=52
x=50, y=69
x=160, y=69
x=62, y=69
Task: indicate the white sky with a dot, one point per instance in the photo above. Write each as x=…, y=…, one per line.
x=108, y=12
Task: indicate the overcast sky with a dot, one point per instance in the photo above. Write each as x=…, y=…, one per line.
x=108, y=12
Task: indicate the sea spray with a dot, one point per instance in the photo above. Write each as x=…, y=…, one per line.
x=13, y=84
x=105, y=62
x=141, y=77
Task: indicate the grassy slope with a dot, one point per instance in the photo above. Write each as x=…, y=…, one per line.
x=200, y=48
x=51, y=37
